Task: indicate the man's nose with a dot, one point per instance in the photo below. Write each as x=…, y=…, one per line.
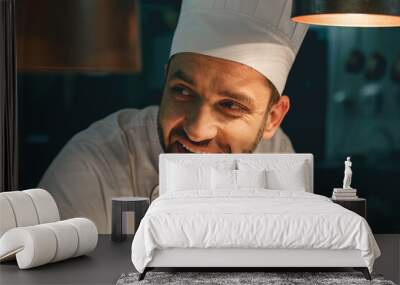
x=200, y=125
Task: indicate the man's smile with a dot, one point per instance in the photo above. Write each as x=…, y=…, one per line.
x=186, y=147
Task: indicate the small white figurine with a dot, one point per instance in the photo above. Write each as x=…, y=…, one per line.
x=347, y=174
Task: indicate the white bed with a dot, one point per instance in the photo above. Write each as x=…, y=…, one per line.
x=202, y=220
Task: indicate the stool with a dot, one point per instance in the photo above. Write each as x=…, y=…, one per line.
x=138, y=205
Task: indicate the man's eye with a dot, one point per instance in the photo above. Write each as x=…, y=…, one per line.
x=181, y=91
x=232, y=106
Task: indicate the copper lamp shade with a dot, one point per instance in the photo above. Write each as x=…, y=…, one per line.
x=347, y=13
x=78, y=35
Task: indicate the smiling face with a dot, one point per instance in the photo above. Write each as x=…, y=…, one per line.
x=212, y=105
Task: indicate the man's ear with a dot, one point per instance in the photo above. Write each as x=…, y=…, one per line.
x=275, y=116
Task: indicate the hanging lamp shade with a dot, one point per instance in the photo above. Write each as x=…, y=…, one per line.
x=347, y=13
x=78, y=36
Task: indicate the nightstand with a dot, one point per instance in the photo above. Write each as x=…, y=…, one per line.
x=358, y=206
x=120, y=205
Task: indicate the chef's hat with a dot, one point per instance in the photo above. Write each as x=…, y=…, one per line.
x=257, y=33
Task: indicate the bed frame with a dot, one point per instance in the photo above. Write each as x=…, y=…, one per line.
x=260, y=259
x=248, y=259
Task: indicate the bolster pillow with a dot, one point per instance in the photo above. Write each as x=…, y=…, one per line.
x=40, y=244
x=26, y=208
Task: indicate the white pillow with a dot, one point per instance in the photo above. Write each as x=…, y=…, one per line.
x=282, y=174
x=223, y=179
x=292, y=179
x=251, y=178
x=226, y=179
x=181, y=177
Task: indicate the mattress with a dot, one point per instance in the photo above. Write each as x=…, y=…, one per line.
x=250, y=219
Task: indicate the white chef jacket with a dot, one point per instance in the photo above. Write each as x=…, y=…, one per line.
x=116, y=156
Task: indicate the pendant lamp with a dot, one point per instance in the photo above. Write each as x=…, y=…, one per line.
x=347, y=13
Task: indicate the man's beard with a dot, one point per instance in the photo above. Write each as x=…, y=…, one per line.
x=259, y=137
x=249, y=150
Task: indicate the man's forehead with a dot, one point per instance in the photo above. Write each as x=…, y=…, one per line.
x=196, y=64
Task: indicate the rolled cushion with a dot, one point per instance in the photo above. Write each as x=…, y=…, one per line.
x=37, y=245
x=33, y=246
x=7, y=218
x=26, y=208
x=66, y=238
x=87, y=234
x=46, y=207
x=23, y=208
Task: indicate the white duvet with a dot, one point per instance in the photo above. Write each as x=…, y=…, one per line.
x=250, y=218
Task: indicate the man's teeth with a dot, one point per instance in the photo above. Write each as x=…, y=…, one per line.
x=192, y=150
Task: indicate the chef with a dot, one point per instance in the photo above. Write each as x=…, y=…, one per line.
x=228, y=66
